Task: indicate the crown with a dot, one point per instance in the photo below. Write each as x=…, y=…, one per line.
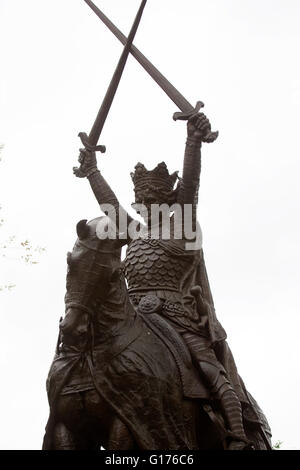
x=158, y=178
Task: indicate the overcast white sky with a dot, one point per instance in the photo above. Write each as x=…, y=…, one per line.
x=241, y=57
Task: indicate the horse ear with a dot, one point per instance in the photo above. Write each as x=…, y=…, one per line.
x=82, y=229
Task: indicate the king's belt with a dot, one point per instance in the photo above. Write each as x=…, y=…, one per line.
x=170, y=305
x=170, y=299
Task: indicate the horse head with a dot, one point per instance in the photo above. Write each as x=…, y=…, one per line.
x=94, y=260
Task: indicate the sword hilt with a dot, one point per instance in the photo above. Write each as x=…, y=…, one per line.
x=181, y=116
x=91, y=148
x=185, y=116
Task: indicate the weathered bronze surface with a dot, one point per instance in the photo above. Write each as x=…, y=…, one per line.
x=146, y=365
x=90, y=141
x=187, y=110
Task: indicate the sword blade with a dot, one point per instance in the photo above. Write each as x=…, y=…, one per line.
x=157, y=76
x=111, y=91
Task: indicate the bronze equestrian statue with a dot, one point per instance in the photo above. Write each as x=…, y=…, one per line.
x=148, y=366
x=100, y=388
x=122, y=377
x=113, y=382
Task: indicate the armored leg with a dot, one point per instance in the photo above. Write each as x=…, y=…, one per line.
x=216, y=380
x=231, y=406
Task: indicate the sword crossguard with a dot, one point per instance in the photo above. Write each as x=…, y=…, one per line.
x=91, y=148
x=185, y=116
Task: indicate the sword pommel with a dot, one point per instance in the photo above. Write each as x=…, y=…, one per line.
x=185, y=116
x=92, y=148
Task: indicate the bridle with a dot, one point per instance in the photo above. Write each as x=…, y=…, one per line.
x=83, y=308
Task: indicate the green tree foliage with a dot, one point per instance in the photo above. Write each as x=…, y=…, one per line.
x=14, y=248
x=277, y=445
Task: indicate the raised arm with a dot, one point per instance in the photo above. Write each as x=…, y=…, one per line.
x=197, y=128
x=101, y=189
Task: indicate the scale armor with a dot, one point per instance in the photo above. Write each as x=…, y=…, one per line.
x=152, y=267
x=149, y=266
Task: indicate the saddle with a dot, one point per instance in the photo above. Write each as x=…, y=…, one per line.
x=192, y=385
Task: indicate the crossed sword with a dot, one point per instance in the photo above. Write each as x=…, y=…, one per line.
x=187, y=111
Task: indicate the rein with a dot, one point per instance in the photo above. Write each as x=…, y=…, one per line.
x=91, y=314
